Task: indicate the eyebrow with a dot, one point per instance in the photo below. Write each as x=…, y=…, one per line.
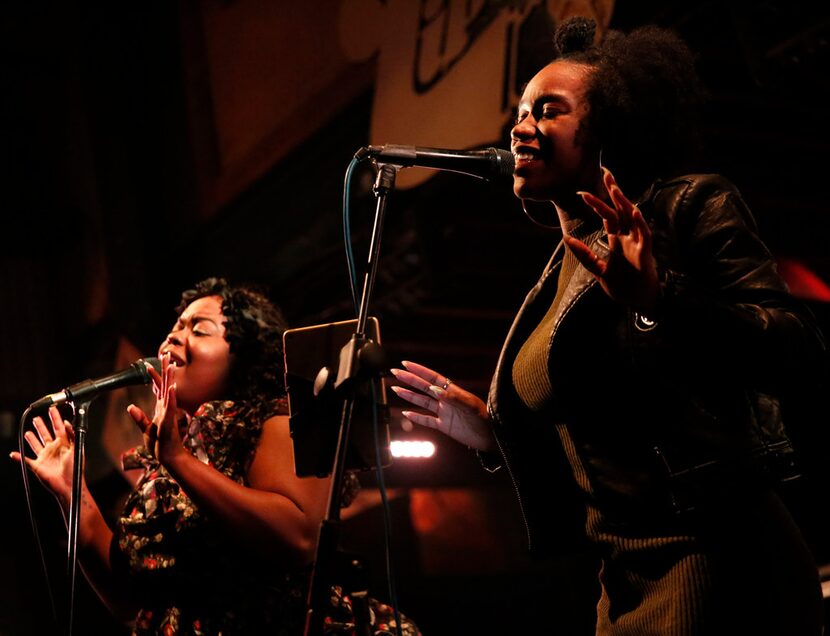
x=198, y=318
x=546, y=98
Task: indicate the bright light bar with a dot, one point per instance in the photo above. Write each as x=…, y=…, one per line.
x=411, y=449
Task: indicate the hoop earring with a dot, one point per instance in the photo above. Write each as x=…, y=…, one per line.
x=528, y=205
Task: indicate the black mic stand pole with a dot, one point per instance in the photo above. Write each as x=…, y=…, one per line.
x=79, y=426
x=327, y=545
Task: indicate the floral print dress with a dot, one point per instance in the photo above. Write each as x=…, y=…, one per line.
x=190, y=576
x=193, y=579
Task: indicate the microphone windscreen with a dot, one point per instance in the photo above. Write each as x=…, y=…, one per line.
x=505, y=162
x=153, y=362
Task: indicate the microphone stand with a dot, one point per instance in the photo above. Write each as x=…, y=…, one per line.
x=327, y=545
x=80, y=428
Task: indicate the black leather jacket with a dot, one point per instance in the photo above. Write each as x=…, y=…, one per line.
x=668, y=410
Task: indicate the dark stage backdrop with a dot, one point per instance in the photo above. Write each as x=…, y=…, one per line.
x=144, y=148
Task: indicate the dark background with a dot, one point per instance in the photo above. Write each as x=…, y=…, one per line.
x=99, y=202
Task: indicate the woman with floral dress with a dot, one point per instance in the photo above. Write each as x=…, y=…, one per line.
x=219, y=533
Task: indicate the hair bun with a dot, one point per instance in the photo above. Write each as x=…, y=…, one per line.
x=574, y=35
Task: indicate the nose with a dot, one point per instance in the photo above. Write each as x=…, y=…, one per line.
x=173, y=338
x=523, y=130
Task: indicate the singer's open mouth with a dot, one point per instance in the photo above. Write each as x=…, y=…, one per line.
x=524, y=160
x=175, y=360
x=524, y=154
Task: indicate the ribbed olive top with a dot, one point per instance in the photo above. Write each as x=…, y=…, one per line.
x=531, y=377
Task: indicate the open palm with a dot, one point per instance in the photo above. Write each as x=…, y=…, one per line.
x=629, y=275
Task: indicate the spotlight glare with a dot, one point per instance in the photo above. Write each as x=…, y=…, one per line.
x=412, y=449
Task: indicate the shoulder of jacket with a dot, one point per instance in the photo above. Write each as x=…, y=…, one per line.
x=692, y=186
x=681, y=200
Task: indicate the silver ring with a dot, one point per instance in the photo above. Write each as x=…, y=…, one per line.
x=446, y=384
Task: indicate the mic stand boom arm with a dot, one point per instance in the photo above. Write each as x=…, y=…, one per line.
x=321, y=576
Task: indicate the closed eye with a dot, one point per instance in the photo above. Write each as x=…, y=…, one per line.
x=551, y=113
x=203, y=326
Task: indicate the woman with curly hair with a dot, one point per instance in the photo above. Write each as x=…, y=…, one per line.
x=638, y=390
x=219, y=533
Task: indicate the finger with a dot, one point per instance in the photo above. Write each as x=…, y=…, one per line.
x=608, y=179
x=34, y=442
x=140, y=418
x=169, y=372
x=148, y=429
x=171, y=398
x=624, y=209
x=429, y=421
x=151, y=369
x=165, y=364
x=586, y=256
x=42, y=430
x=448, y=396
x=438, y=392
x=635, y=234
x=433, y=377
x=608, y=214
x=623, y=205
x=418, y=399
x=29, y=462
x=154, y=376
x=410, y=379
x=58, y=423
x=161, y=401
x=643, y=230
x=158, y=377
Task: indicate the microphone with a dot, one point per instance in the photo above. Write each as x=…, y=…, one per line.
x=484, y=164
x=136, y=373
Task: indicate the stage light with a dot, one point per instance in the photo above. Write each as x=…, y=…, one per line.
x=412, y=449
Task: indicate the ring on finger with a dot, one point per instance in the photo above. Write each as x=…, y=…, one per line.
x=446, y=384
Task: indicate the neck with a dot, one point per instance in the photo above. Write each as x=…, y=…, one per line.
x=575, y=214
x=573, y=211
x=567, y=221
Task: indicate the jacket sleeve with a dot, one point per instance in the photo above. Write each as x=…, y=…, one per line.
x=722, y=301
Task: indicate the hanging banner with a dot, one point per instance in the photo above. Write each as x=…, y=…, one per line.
x=450, y=72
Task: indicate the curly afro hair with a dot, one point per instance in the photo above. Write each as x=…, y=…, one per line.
x=254, y=328
x=644, y=99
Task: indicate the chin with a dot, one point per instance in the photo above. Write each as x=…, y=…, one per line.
x=521, y=188
x=187, y=402
x=530, y=194
x=525, y=189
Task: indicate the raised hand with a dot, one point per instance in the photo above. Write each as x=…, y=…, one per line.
x=161, y=433
x=630, y=273
x=455, y=412
x=53, y=447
